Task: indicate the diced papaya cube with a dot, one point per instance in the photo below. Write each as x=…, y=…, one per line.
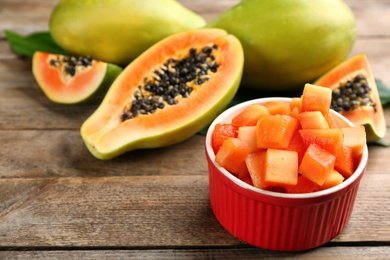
x=248, y=180
x=355, y=137
x=344, y=163
x=280, y=167
x=278, y=107
x=312, y=120
x=247, y=134
x=222, y=132
x=329, y=139
x=232, y=155
x=317, y=164
x=297, y=145
x=334, y=179
x=250, y=115
x=275, y=131
x=243, y=172
x=316, y=98
x=333, y=122
x=295, y=112
x=304, y=185
x=279, y=189
x=296, y=103
x=255, y=164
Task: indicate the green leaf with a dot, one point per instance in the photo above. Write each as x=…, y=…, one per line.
x=384, y=92
x=27, y=45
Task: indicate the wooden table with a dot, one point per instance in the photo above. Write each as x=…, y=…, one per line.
x=59, y=202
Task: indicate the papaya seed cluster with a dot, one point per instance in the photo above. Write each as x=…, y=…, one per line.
x=352, y=94
x=174, y=80
x=70, y=64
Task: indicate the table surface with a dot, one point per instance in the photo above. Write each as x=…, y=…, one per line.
x=59, y=202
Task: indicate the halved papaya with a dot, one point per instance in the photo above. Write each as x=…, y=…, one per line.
x=169, y=93
x=355, y=95
x=70, y=79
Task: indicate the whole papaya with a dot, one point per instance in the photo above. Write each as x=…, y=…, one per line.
x=288, y=43
x=117, y=31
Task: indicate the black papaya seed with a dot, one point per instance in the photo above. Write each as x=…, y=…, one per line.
x=352, y=94
x=174, y=78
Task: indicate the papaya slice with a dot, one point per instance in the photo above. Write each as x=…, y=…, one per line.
x=70, y=80
x=353, y=79
x=169, y=93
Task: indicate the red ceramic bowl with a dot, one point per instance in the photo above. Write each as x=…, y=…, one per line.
x=279, y=221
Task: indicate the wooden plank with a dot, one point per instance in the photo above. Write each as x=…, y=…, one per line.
x=63, y=154
x=116, y=211
x=146, y=211
x=370, y=220
x=377, y=51
x=58, y=202
x=372, y=17
x=321, y=253
x=25, y=17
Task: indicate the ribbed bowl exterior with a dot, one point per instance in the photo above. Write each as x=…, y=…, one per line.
x=282, y=224
x=279, y=221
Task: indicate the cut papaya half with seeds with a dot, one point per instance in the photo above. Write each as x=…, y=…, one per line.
x=166, y=95
x=71, y=79
x=355, y=95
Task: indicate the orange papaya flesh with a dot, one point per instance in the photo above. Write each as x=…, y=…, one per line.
x=232, y=155
x=334, y=179
x=275, y=131
x=296, y=103
x=255, y=163
x=121, y=124
x=355, y=138
x=243, y=172
x=345, y=163
x=250, y=115
x=316, y=98
x=314, y=152
x=70, y=80
x=275, y=171
x=221, y=133
x=317, y=164
x=364, y=108
x=304, y=185
x=247, y=134
x=330, y=139
x=278, y=107
x=312, y=119
x=297, y=145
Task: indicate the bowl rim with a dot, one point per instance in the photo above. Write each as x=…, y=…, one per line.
x=230, y=112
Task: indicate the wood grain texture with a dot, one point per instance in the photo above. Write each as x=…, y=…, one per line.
x=58, y=202
x=45, y=154
x=145, y=211
x=226, y=253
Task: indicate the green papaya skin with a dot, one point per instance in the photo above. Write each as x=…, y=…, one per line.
x=288, y=43
x=117, y=31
